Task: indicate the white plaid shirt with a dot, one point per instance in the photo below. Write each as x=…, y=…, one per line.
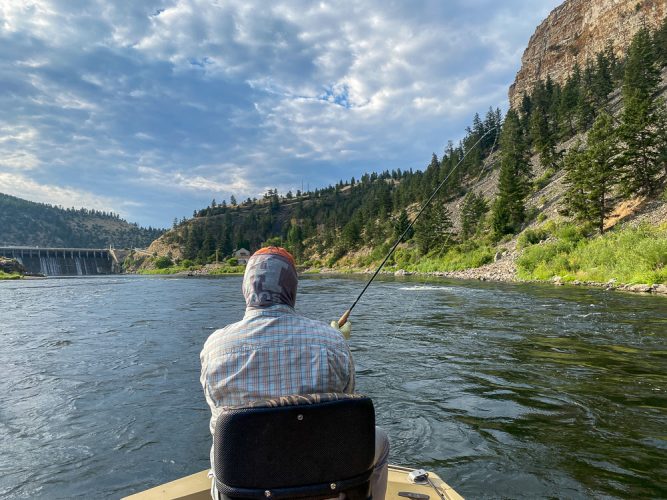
x=273, y=352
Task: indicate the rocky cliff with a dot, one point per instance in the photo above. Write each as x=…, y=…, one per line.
x=576, y=31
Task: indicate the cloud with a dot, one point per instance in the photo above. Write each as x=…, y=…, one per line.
x=171, y=102
x=23, y=187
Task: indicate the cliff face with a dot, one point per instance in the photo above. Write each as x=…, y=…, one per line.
x=576, y=31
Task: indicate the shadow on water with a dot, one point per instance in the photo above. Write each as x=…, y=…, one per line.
x=512, y=391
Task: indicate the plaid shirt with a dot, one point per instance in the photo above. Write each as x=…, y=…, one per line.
x=273, y=352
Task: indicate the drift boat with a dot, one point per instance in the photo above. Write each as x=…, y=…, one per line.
x=399, y=487
x=302, y=446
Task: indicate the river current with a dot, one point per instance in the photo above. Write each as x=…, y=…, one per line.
x=506, y=391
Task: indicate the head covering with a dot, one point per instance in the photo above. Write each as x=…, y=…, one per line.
x=270, y=278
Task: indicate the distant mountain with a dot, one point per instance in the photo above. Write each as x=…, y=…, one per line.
x=28, y=223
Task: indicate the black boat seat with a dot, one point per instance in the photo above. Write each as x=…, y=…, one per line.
x=308, y=447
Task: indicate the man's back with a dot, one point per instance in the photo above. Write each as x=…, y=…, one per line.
x=273, y=352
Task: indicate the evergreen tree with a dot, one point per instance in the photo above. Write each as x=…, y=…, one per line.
x=660, y=43
x=592, y=172
x=542, y=138
x=509, y=209
x=643, y=119
x=401, y=225
x=602, y=83
x=473, y=208
x=568, y=103
x=295, y=240
x=433, y=229
x=585, y=109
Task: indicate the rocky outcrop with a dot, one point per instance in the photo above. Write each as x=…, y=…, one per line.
x=11, y=266
x=576, y=31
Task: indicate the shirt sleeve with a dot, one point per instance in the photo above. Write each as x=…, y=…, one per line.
x=349, y=388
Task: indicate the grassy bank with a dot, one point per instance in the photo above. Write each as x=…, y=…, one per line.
x=210, y=270
x=6, y=276
x=457, y=258
x=629, y=255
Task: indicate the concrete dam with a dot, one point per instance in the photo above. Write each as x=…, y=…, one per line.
x=64, y=261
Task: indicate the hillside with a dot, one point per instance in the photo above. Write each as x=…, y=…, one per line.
x=569, y=185
x=25, y=223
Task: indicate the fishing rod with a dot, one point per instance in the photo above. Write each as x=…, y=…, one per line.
x=343, y=319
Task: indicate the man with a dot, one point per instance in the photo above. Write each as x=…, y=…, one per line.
x=274, y=352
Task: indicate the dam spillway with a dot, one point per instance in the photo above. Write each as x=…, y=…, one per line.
x=64, y=261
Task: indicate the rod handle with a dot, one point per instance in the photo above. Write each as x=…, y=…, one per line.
x=343, y=318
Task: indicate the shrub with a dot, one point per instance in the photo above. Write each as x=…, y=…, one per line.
x=531, y=237
x=543, y=179
x=163, y=262
x=629, y=255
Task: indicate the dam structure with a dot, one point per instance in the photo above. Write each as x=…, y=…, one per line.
x=64, y=261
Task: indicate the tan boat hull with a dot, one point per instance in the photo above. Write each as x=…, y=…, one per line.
x=198, y=487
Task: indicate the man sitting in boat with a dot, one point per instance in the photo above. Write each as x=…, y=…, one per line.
x=275, y=352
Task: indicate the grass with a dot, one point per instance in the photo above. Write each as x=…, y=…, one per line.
x=456, y=258
x=7, y=276
x=629, y=255
x=180, y=269
x=166, y=270
x=227, y=270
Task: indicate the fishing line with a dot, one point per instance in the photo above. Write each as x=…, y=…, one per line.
x=486, y=167
x=346, y=314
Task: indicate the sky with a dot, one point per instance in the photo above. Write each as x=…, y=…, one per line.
x=152, y=109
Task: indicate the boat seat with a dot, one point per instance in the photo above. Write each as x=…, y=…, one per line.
x=313, y=446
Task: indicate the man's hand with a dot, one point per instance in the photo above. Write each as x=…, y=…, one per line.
x=346, y=329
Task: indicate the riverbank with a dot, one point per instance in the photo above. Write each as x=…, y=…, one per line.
x=11, y=269
x=630, y=258
x=206, y=270
x=13, y=276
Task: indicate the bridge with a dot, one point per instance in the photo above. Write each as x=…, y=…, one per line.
x=64, y=261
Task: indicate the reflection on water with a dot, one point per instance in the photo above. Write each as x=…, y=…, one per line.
x=504, y=390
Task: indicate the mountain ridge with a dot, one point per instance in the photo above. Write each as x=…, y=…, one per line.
x=27, y=223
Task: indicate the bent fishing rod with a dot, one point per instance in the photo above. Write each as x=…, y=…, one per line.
x=343, y=319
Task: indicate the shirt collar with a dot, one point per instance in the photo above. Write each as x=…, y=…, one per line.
x=275, y=310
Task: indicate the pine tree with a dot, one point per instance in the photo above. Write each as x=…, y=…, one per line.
x=401, y=225
x=568, y=103
x=643, y=119
x=602, y=83
x=295, y=240
x=509, y=209
x=660, y=43
x=433, y=229
x=585, y=109
x=591, y=173
x=473, y=208
x=542, y=138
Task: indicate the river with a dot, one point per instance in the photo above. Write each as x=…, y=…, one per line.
x=505, y=390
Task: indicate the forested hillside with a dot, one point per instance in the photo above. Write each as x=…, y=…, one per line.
x=568, y=157
x=25, y=223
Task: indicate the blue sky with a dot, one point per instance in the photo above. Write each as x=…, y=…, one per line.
x=153, y=108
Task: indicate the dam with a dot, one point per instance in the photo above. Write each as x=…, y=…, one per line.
x=64, y=261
